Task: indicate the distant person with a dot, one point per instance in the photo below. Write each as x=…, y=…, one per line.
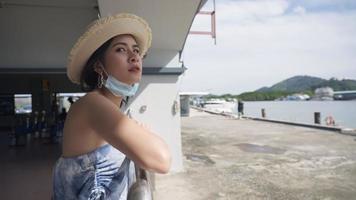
x=240, y=108
x=70, y=100
x=61, y=119
x=36, y=124
x=54, y=105
x=63, y=115
x=54, y=111
x=99, y=140
x=43, y=123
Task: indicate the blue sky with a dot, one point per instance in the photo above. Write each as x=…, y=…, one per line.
x=262, y=42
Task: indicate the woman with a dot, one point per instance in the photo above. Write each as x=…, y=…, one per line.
x=99, y=140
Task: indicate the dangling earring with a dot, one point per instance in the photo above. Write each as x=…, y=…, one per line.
x=100, y=80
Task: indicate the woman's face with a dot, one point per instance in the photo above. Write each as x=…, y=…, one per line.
x=122, y=59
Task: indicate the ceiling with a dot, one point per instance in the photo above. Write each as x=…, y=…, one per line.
x=38, y=34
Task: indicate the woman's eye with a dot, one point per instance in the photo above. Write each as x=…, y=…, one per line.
x=120, y=50
x=136, y=51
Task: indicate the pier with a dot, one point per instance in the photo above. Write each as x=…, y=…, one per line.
x=225, y=158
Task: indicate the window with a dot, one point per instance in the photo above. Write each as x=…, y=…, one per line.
x=23, y=103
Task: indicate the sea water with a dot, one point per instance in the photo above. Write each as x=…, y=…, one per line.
x=343, y=112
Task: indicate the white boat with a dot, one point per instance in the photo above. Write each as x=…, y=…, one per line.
x=221, y=106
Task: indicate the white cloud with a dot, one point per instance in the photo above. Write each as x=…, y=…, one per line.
x=299, y=10
x=260, y=9
x=327, y=3
x=252, y=51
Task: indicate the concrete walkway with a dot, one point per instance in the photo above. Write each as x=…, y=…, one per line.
x=245, y=159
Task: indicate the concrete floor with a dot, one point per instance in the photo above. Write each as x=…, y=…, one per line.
x=223, y=159
x=243, y=159
x=26, y=171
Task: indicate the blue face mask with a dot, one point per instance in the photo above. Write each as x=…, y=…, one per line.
x=119, y=88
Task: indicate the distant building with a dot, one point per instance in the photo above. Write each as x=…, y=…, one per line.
x=190, y=98
x=294, y=97
x=345, y=95
x=298, y=97
x=324, y=93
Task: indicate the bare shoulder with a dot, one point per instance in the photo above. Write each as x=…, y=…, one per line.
x=95, y=103
x=99, y=111
x=80, y=107
x=85, y=110
x=79, y=130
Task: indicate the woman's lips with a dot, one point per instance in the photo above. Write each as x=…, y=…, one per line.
x=134, y=69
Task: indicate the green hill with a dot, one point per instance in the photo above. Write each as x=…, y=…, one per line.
x=294, y=84
x=297, y=84
x=309, y=83
x=338, y=85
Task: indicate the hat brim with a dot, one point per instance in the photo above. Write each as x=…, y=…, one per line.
x=101, y=31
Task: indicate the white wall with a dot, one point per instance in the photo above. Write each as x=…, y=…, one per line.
x=159, y=94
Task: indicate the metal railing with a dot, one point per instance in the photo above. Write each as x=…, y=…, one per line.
x=143, y=187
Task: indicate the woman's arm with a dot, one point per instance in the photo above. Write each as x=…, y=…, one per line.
x=141, y=145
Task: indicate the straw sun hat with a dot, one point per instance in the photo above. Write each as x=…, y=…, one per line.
x=102, y=30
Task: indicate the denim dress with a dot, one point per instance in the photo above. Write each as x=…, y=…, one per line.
x=104, y=173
